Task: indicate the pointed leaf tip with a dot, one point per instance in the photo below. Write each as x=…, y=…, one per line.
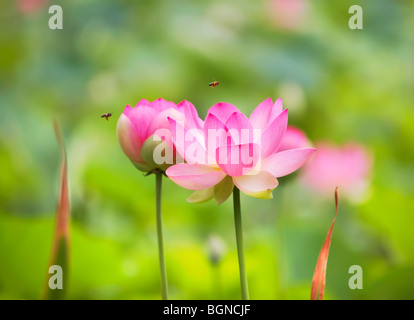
x=319, y=276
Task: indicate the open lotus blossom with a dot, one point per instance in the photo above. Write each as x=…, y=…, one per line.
x=346, y=167
x=233, y=150
x=145, y=129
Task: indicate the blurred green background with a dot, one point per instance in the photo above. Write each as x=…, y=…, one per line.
x=339, y=85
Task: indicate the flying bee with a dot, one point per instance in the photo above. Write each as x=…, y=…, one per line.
x=213, y=84
x=106, y=115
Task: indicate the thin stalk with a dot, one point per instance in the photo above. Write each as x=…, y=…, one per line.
x=239, y=239
x=164, y=284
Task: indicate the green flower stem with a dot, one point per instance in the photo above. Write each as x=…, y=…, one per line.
x=239, y=239
x=164, y=284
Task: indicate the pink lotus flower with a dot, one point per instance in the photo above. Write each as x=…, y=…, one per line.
x=145, y=129
x=347, y=167
x=233, y=150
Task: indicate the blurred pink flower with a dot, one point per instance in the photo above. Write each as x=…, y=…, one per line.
x=288, y=14
x=294, y=138
x=30, y=6
x=347, y=167
x=142, y=129
x=232, y=149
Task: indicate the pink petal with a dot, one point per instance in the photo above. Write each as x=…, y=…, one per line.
x=215, y=135
x=143, y=102
x=195, y=176
x=223, y=111
x=285, y=162
x=261, y=115
x=259, y=185
x=240, y=128
x=160, y=120
x=272, y=136
x=237, y=160
x=265, y=113
x=214, y=128
x=129, y=139
x=187, y=143
x=140, y=117
x=277, y=109
x=192, y=120
x=161, y=105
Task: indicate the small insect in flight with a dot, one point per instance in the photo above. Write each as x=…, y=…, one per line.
x=106, y=115
x=213, y=84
